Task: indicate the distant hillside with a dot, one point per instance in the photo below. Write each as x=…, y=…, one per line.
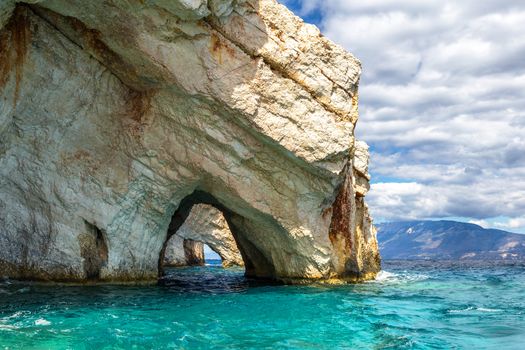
x=447, y=240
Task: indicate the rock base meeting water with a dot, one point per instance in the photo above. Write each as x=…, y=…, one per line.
x=412, y=305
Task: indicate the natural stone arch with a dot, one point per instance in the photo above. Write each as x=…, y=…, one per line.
x=180, y=252
x=112, y=113
x=257, y=262
x=204, y=225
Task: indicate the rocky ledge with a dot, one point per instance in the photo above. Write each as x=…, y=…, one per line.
x=117, y=117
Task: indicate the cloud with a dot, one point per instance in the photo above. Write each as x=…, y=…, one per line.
x=482, y=223
x=442, y=103
x=512, y=223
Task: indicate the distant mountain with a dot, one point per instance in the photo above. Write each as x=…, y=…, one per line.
x=447, y=240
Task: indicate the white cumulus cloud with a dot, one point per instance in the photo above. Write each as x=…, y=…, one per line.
x=442, y=103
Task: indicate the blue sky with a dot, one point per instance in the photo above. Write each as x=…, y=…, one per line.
x=442, y=104
x=210, y=254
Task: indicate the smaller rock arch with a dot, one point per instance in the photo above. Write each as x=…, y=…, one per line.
x=181, y=252
x=205, y=225
x=256, y=262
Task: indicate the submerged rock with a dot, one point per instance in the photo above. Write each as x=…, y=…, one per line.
x=117, y=117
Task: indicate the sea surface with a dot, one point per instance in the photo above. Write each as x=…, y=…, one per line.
x=412, y=305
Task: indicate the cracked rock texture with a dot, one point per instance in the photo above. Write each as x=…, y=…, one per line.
x=116, y=117
x=205, y=224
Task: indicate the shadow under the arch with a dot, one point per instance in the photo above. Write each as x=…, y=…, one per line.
x=210, y=280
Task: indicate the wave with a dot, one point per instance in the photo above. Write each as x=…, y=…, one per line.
x=8, y=327
x=472, y=308
x=405, y=277
x=17, y=314
x=12, y=291
x=42, y=322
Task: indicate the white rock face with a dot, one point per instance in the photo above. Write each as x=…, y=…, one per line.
x=117, y=117
x=183, y=252
x=205, y=224
x=175, y=254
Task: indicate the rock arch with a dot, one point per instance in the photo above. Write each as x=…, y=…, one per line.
x=181, y=252
x=257, y=257
x=122, y=114
x=204, y=225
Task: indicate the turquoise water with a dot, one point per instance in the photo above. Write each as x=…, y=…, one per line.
x=413, y=305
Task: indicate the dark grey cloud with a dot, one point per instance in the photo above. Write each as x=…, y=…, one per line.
x=442, y=103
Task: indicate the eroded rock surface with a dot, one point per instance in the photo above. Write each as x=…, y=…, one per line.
x=116, y=117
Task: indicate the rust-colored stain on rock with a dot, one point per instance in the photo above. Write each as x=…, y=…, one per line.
x=137, y=108
x=340, y=226
x=218, y=47
x=92, y=40
x=14, y=40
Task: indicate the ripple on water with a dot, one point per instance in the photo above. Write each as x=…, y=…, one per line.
x=411, y=305
x=471, y=309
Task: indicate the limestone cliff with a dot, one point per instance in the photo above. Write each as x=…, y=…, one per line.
x=116, y=117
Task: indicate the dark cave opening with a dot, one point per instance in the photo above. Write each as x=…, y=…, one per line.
x=94, y=250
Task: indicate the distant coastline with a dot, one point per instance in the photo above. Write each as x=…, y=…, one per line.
x=447, y=240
